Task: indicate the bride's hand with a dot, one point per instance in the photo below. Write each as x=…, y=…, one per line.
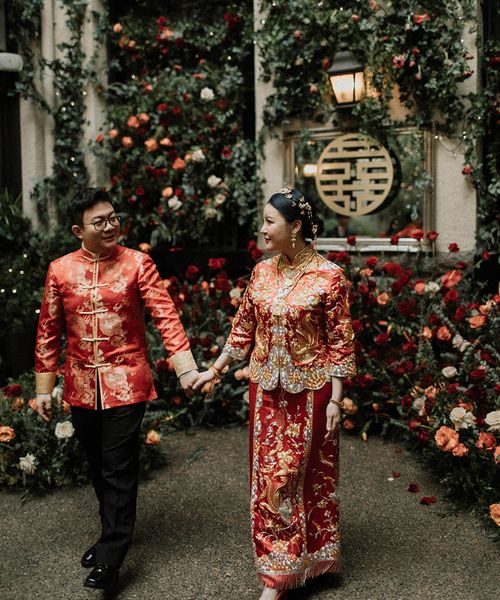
x=332, y=419
x=203, y=378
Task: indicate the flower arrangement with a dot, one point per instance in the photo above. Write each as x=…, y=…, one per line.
x=182, y=164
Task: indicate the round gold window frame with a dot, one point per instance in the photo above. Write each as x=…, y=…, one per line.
x=354, y=174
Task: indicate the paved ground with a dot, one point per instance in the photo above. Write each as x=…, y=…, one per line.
x=193, y=542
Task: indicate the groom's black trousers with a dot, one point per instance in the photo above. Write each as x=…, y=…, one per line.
x=110, y=439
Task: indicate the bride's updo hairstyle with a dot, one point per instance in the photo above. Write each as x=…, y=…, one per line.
x=292, y=205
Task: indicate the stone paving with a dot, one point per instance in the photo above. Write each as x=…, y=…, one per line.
x=193, y=538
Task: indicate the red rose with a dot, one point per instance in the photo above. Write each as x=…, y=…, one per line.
x=177, y=110
x=355, y=18
x=393, y=269
x=12, y=390
x=396, y=474
x=485, y=255
x=432, y=236
x=216, y=263
x=418, y=234
x=453, y=247
x=162, y=107
x=356, y=326
x=139, y=191
x=394, y=240
x=477, y=375
x=351, y=240
x=460, y=313
x=423, y=436
x=451, y=296
x=371, y=261
x=226, y=152
x=192, y=271
x=451, y=278
x=381, y=339
x=419, y=19
x=413, y=488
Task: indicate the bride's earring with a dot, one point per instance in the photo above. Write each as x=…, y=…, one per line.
x=293, y=237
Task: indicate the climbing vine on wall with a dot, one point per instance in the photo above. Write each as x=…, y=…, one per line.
x=410, y=49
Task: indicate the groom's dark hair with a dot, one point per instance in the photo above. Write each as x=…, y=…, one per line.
x=83, y=199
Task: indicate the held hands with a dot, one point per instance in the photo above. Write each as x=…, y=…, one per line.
x=203, y=378
x=44, y=406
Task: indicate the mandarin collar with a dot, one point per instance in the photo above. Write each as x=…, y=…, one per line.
x=301, y=258
x=93, y=256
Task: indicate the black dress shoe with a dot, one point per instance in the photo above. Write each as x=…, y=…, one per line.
x=102, y=577
x=88, y=559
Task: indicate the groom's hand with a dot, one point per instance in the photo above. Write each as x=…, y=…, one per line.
x=187, y=382
x=44, y=406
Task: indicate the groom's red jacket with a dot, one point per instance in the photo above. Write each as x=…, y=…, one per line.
x=99, y=301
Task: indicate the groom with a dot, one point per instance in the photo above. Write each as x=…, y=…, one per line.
x=97, y=296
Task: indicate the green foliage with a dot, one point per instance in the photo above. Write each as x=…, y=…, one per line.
x=411, y=50
x=183, y=169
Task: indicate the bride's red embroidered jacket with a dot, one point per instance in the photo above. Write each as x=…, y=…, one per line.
x=99, y=301
x=295, y=319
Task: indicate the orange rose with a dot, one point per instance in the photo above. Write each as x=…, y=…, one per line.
x=348, y=424
x=443, y=333
x=7, y=434
x=426, y=333
x=419, y=287
x=16, y=404
x=366, y=272
x=178, y=164
x=32, y=404
x=383, y=298
x=113, y=133
x=496, y=455
x=485, y=309
x=167, y=192
x=153, y=438
x=460, y=450
x=143, y=117
x=188, y=157
x=144, y=247
x=177, y=400
x=151, y=145
x=66, y=408
x=451, y=278
x=127, y=142
x=495, y=513
x=133, y=121
x=430, y=392
x=166, y=142
x=446, y=438
x=486, y=441
x=477, y=322
x=117, y=28
x=350, y=408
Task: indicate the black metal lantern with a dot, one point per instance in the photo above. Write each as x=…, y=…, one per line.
x=346, y=78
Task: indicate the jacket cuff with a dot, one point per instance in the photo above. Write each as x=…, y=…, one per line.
x=347, y=368
x=44, y=382
x=234, y=352
x=183, y=362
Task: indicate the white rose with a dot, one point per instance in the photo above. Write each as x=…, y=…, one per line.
x=419, y=405
x=213, y=181
x=174, y=203
x=207, y=94
x=493, y=420
x=235, y=293
x=459, y=343
x=299, y=61
x=449, y=372
x=27, y=463
x=246, y=397
x=57, y=393
x=461, y=418
x=210, y=212
x=432, y=287
x=198, y=156
x=64, y=430
x=220, y=199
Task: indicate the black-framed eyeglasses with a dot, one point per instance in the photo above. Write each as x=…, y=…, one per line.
x=100, y=225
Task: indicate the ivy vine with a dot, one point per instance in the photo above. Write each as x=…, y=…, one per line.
x=417, y=51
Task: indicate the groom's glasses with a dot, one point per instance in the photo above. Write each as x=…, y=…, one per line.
x=100, y=225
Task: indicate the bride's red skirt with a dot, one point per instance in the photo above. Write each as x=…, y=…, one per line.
x=294, y=476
